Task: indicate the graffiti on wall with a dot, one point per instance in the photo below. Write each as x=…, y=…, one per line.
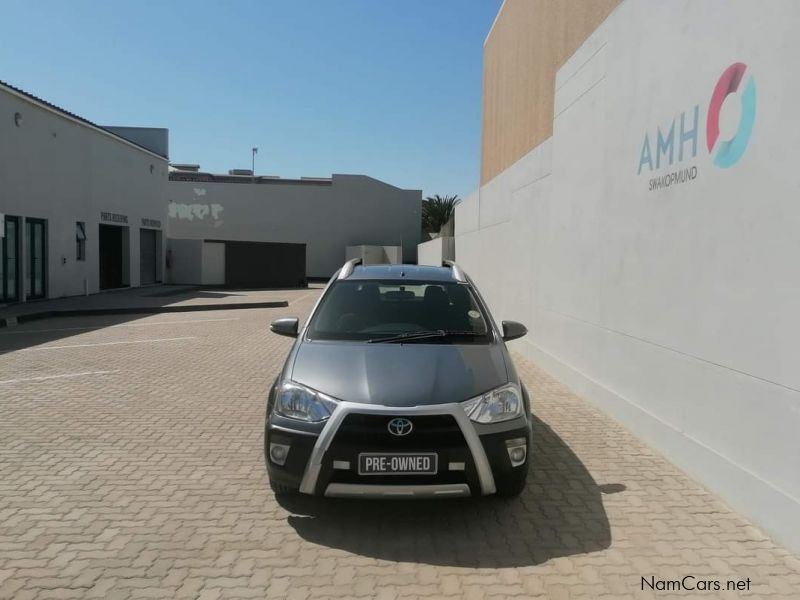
x=197, y=211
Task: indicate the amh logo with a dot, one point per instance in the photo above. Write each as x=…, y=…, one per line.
x=726, y=153
x=729, y=152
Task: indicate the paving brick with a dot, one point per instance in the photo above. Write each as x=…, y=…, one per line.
x=148, y=481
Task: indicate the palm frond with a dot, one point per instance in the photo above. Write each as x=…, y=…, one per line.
x=437, y=211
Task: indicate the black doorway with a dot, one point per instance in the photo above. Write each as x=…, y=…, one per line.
x=111, y=254
x=147, y=256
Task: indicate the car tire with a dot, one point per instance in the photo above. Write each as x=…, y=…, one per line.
x=281, y=489
x=512, y=485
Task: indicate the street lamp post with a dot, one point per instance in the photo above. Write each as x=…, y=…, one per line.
x=255, y=151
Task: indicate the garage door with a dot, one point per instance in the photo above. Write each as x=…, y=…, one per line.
x=264, y=264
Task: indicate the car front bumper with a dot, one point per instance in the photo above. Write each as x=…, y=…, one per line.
x=470, y=456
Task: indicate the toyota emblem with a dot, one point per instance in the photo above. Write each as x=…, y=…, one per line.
x=400, y=426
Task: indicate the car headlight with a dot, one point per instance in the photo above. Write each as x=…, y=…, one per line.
x=296, y=401
x=501, y=404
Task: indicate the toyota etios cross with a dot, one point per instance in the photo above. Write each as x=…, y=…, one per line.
x=399, y=385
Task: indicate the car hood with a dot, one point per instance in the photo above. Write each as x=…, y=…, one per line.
x=399, y=374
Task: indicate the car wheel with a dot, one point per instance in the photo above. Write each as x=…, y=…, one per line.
x=512, y=485
x=281, y=489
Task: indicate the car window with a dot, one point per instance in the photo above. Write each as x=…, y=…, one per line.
x=362, y=310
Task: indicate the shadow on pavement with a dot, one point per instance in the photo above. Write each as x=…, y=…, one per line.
x=560, y=514
x=45, y=331
x=41, y=322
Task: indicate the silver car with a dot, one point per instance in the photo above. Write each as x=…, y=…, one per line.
x=398, y=385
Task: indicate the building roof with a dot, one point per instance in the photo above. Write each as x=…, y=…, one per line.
x=178, y=174
x=57, y=109
x=402, y=272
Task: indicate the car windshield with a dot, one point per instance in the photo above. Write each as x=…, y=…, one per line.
x=372, y=310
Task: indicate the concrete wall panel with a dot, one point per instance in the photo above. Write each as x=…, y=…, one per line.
x=185, y=261
x=435, y=251
x=674, y=308
x=468, y=214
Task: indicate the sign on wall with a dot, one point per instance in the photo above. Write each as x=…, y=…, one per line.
x=678, y=142
x=153, y=223
x=114, y=218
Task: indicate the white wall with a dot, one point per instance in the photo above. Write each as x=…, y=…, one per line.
x=676, y=309
x=350, y=210
x=374, y=255
x=369, y=255
x=393, y=254
x=57, y=169
x=155, y=139
x=213, y=271
x=185, y=265
x=435, y=251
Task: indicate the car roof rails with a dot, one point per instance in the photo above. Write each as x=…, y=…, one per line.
x=458, y=274
x=348, y=267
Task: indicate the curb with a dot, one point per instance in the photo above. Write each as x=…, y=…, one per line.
x=147, y=310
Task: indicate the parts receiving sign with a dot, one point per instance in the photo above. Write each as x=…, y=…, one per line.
x=114, y=218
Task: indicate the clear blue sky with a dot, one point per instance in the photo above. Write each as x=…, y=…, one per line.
x=388, y=88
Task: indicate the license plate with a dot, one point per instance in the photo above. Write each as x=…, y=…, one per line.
x=424, y=463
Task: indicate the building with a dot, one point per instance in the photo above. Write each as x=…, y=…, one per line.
x=87, y=208
x=83, y=207
x=247, y=231
x=638, y=189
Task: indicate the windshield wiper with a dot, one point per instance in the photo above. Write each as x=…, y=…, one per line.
x=421, y=335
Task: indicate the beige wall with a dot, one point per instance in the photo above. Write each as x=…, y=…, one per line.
x=529, y=41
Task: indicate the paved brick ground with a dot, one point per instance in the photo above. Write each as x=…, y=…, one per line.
x=172, y=296
x=131, y=467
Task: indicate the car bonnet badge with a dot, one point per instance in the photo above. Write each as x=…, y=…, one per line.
x=400, y=426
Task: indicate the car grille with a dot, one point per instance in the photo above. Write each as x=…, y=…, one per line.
x=429, y=432
x=369, y=433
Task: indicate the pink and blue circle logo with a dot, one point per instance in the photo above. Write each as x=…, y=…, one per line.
x=727, y=153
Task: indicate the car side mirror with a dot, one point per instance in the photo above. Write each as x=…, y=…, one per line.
x=287, y=326
x=513, y=330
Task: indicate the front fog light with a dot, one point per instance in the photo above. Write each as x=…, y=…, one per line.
x=517, y=451
x=278, y=453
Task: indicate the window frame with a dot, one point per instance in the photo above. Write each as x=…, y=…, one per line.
x=80, y=242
